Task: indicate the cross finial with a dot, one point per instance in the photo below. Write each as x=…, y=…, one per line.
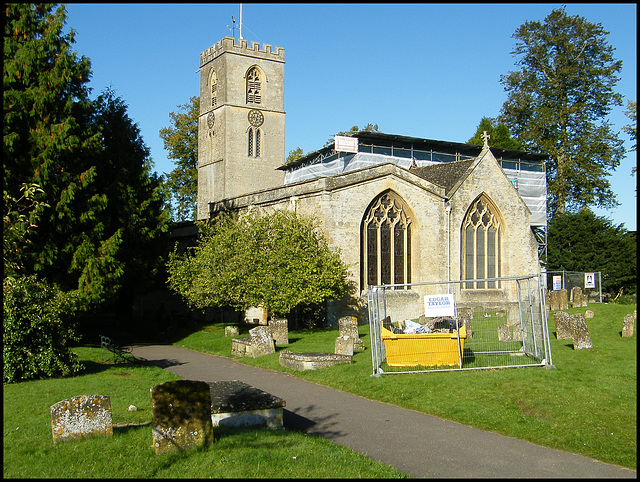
x=485, y=138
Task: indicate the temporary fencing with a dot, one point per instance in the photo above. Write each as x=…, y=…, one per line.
x=442, y=326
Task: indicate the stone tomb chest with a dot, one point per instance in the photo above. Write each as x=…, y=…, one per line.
x=236, y=404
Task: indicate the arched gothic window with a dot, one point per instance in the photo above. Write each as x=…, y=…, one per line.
x=254, y=142
x=213, y=84
x=386, y=242
x=254, y=86
x=481, y=244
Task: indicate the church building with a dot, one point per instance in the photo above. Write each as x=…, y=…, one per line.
x=400, y=209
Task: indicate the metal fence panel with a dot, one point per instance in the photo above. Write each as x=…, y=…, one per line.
x=499, y=328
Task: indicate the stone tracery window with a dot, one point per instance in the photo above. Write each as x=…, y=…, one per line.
x=481, y=236
x=386, y=242
x=254, y=86
x=254, y=142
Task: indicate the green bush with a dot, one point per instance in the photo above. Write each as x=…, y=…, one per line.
x=37, y=326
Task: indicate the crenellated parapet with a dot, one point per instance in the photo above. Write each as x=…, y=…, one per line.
x=228, y=44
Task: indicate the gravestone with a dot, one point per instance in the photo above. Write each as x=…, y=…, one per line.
x=563, y=325
x=580, y=332
x=279, y=331
x=627, y=326
x=504, y=333
x=242, y=347
x=81, y=416
x=589, y=314
x=181, y=415
x=311, y=361
x=576, y=297
x=344, y=345
x=261, y=341
x=558, y=300
x=231, y=330
x=348, y=326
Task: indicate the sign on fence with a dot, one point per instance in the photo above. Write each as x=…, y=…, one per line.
x=439, y=305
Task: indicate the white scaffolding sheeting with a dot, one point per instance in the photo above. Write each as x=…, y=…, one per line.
x=531, y=185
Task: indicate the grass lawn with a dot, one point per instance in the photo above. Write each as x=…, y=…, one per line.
x=29, y=451
x=586, y=405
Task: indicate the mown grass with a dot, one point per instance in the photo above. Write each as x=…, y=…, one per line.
x=587, y=404
x=29, y=451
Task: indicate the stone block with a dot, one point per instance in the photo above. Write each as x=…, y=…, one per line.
x=589, y=314
x=181, y=415
x=261, y=341
x=81, y=416
x=311, y=361
x=236, y=404
x=256, y=315
x=344, y=345
x=580, y=332
x=242, y=347
x=279, y=331
x=628, y=325
x=563, y=325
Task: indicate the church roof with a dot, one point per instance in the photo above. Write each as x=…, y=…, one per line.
x=445, y=174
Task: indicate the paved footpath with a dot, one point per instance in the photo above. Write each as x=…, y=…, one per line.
x=417, y=444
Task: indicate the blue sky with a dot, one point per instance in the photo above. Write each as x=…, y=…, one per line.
x=422, y=70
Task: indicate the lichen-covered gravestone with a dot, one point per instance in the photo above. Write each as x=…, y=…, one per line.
x=627, y=326
x=580, y=332
x=81, y=416
x=181, y=415
x=348, y=326
x=563, y=325
x=279, y=331
x=558, y=300
x=344, y=345
x=261, y=341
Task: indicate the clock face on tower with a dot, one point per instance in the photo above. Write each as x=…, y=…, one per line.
x=255, y=118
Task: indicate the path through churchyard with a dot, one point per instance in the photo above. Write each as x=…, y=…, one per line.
x=417, y=444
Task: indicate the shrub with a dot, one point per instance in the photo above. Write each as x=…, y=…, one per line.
x=37, y=330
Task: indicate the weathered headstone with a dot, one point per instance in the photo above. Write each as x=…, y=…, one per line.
x=504, y=333
x=81, y=416
x=563, y=325
x=279, y=331
x=344, y=345
x=576, y=297
x=589, y=314
x=580, y=332
x=242, y=347
x=181, y=415
x=231, y=330
x=261, y=341
x=558, y=300
x=627, y=326
x=348, y=326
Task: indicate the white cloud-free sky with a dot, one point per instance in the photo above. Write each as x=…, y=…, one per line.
x=422, y=70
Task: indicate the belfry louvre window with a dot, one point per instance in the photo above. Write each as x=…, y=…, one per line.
x=254, y=142
x=481, y=240
x=254, y=86
x=214, y=89
x=386, y=242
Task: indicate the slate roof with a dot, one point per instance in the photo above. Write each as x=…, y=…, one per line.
x=445, y=174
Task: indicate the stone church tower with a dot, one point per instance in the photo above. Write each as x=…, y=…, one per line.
x=241, y=122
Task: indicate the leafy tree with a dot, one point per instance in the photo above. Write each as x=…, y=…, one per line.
x=295, y=154
x=279, y=261
x=558, y=103
x=181, y=140
x=499, y=135
x=632, y=129
x=586, y=242
x=87, y=157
